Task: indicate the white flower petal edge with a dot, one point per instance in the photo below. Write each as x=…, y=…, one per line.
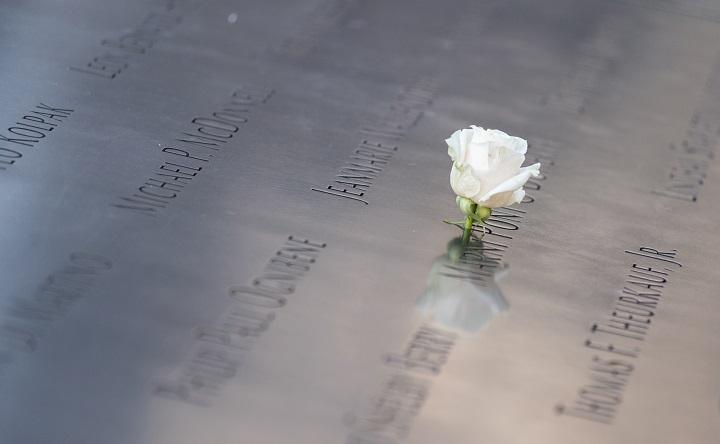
x=513, y=184
x=487, y=166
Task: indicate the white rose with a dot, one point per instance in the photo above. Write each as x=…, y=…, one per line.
x=487, y=166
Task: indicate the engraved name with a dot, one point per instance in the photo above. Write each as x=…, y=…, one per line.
x=692, y=155
x=615, y=341
x=122, y=49
x=25, y=320
x=479, y=262
x=389, y=416
x=378, y=144
x=191, y=153
x=28, y=131
x=221, y=348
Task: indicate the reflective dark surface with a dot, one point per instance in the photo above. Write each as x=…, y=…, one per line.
x=179, y=266
x=462, y=291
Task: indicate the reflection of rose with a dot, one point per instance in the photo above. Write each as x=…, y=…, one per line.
x=487, y=166
x=459, y=300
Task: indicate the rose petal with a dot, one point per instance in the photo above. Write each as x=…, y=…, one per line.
x=463, y=183
x=507, y=166
x=497, y=200
x=512, y=184
x=516, y=144
x=478, y=156
x=454, y=144
x=518, y=196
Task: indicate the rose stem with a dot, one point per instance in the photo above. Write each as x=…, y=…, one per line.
x=468, y=225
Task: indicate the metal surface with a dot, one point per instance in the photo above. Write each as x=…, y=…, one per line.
x=246, y=301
